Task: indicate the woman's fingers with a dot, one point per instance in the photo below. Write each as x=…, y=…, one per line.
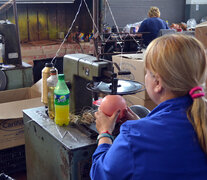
x=130, y=115
x=115, y=115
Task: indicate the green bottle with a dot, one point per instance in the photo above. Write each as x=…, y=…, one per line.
x=62, y=102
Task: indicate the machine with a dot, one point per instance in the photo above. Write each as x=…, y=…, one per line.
x=13, y=72
x=79, y=70
x=9, y=35
x=89, y=76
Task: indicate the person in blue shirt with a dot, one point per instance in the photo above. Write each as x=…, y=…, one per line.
x=170, y=143
x=152, y=25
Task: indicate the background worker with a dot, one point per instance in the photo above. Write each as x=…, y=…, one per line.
x=152, y=25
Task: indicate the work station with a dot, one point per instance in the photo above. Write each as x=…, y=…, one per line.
x=103, y=89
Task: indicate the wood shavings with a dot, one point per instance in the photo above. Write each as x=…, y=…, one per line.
x=74, y=118
x=86, y=117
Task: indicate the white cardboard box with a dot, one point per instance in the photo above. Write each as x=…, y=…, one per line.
x=201, y=33
x=12, y=102
x=135, y=64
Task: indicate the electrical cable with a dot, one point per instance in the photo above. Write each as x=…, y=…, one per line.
x=117, y=28
x=116, y=23
x=97, y=30
x=53, y=61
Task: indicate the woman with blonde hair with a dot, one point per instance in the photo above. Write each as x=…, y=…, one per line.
x=154, y=12
x=152, y=25
x=171, y=141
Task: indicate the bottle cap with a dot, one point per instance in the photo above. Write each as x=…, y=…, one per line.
x=53, y=71
x=61, y=76
x=48, y=65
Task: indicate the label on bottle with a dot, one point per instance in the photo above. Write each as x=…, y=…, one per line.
x=61, y=99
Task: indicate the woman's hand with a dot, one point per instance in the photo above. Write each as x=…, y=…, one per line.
x=105, y=123
x=129, y=115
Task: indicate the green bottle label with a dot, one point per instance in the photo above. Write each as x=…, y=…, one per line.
x=62, y=99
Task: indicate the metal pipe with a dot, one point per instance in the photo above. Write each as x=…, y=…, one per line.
x=95, y=24
x=95, y=15
x=102, y=15
x=17, y=25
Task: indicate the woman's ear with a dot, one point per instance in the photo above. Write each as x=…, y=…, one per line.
x=158, y=84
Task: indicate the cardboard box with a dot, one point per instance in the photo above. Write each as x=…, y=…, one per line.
x=134, y=100
x=201, y=33
x=135, y=64
x=12, y=102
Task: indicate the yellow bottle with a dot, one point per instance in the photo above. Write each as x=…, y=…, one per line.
x=45, y=75
x=51, y=105
x=62, y=115
x=61, y=102
x=51, y=83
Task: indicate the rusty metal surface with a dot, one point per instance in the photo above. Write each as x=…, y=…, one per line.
x=53, y=152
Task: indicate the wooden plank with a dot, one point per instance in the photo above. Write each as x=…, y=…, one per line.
x=22, y=21
x=85, y=21
x=69, y=14
x=42, y=22
x=77, y=23
x=32, y=20
x=52, y=21
x=61, y=18
x=45, y=21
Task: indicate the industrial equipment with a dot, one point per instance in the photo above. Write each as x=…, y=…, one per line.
x=12, y=47
x=89, y=75
x=14, y=73
x=108, y=44
x=65, y=153
x=12, y=77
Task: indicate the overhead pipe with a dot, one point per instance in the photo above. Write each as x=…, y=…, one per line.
x=95, y=15
x=95, y=25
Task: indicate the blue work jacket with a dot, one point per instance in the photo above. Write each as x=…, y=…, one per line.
x=152, y=26
x=161, y=146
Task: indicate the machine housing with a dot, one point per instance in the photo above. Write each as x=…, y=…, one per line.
x=79, y=70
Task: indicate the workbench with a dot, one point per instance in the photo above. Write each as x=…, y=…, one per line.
x=54, y=152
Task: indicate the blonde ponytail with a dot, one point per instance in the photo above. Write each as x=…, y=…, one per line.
x=197, y=116
x=181, y=62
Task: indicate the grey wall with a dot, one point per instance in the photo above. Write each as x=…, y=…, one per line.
x=197, y=14
x=131, y=11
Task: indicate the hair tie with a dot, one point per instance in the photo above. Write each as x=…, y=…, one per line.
x=197, y=95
